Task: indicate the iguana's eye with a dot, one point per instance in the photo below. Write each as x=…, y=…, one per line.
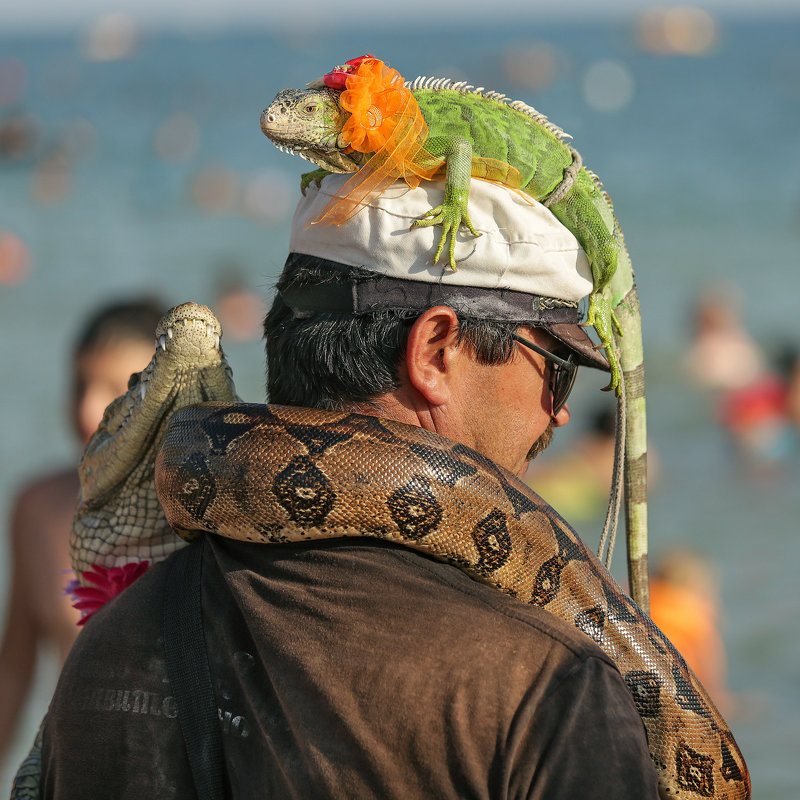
x=311, y=108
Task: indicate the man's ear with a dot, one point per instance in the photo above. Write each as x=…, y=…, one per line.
x=432, y=354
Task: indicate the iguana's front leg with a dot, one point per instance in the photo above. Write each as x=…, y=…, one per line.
x=601, y=316
x=315, y=176
x=581, y=212
x=457, y=153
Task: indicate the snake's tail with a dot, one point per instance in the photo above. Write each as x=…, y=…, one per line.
x=609, y=534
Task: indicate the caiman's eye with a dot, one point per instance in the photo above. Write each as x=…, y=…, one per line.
x=311, y=108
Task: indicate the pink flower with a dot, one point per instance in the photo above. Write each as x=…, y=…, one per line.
x=108, y=582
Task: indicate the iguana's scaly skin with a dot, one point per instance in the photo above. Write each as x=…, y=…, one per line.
x=462, y=124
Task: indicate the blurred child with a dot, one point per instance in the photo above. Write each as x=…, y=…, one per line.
x=116, y=342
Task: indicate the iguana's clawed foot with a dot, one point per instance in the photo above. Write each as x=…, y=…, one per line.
x=315, y=176
x=451, y=218
x=602, y=318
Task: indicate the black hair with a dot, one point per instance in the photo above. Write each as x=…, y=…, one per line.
x=330, y=360
x=123, y=321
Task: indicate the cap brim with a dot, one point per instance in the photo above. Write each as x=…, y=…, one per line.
x=575, y=337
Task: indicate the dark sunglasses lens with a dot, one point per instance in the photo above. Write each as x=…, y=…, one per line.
x=563, y=381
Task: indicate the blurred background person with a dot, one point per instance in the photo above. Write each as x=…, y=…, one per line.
x=789, y=364
x=750, y=392
x=115, y=342
x=577, y=482
x=684, y=604
x=722, y=355
x=239, y=308
x=763, y=417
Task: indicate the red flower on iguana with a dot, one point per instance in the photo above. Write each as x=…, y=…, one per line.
x=108, y=583
x=337, y=77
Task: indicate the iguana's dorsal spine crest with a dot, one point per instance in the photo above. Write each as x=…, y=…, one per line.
x=439, y=84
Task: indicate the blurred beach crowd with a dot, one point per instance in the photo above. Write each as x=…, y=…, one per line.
x=131, y=163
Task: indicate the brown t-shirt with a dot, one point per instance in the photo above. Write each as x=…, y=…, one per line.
x=348, y=669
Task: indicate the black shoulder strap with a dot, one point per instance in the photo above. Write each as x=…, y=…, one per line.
x=189, y=672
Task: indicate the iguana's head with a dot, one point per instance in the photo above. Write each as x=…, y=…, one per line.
x=308, y=123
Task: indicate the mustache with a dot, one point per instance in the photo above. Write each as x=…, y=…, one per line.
x=541, y=443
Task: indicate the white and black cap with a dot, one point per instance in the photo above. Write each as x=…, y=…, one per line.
x=525, y=266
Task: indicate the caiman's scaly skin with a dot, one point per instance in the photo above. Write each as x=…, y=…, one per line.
x=463, y=124
x=119, y=519
x=118, y=514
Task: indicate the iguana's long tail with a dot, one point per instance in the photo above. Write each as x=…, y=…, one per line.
x=635, y=478
x=632, y=425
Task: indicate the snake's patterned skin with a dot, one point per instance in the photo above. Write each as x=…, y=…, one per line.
x=266, y=473
x=277, y=474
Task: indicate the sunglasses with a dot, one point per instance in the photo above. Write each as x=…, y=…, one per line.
x=562, y=373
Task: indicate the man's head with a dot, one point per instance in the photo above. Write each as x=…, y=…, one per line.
x=363, y=319
x=116, y=341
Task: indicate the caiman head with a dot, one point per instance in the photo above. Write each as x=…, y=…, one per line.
x=308, y=123
x=188, y=367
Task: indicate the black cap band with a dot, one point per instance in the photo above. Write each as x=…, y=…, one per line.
x=365, y=295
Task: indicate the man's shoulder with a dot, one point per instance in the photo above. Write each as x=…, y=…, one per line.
x=507, y=612
x=353, y=582
x=428, y=598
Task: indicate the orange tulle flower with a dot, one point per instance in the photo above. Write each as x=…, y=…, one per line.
x=374, y=95
x=384, y=120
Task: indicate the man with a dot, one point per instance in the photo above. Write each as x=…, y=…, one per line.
x=116, y=341
x=354, y=666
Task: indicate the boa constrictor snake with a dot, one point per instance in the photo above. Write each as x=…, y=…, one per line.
x=277, y=474
x=266, y=473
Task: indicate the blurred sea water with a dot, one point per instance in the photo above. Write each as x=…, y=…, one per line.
x=149, y=174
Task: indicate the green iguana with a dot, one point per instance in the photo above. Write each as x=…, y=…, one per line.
x=362, y=118
x=357, y=116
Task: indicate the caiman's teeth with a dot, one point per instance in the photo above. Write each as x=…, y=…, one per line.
x=162, y=342
x=216, y=341
x=209, y=330
x=142, y=390
x=169, y=332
